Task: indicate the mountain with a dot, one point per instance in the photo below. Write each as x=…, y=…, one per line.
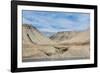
x=32, y=41
x=61, y=36
x=71, y=37
x=31, y=34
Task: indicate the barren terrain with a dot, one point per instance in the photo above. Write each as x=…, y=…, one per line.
x=65, y=45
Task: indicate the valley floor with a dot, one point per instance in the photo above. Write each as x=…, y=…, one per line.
x=55, y=52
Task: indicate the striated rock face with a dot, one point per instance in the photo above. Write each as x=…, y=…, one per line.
x=62, y=45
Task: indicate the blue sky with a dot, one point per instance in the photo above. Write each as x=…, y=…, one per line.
x=56, y=21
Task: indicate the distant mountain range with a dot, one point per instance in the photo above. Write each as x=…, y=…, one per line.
x=48, y=34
